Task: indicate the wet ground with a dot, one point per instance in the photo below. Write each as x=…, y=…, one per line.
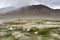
x=30, y=30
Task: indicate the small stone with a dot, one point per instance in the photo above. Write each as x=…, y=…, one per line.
x=3, y=33
x=28, y=29
x=17, y=36
x=36, y=32
x=11, y=28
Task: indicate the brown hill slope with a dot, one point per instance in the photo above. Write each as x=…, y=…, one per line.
x=34, y=11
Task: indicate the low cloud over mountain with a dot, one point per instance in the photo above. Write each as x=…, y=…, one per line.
x=34, y=11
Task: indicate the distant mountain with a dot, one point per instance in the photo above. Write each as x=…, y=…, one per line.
x=7, y=9
x=57, y=11
x=34, y=11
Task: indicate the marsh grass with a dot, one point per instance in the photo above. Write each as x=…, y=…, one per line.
x=32, y=33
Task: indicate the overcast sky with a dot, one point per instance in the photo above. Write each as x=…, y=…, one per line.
x=55, y=4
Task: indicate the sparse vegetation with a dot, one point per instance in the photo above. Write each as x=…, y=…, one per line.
x=16, y=31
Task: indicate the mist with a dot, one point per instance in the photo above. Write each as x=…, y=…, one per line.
x=54, y=4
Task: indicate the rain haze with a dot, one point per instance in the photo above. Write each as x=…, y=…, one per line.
x=54, y=4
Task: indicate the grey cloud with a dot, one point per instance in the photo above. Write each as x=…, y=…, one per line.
x=20, y=3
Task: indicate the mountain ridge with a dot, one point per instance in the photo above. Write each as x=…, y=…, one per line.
x=38, y=11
